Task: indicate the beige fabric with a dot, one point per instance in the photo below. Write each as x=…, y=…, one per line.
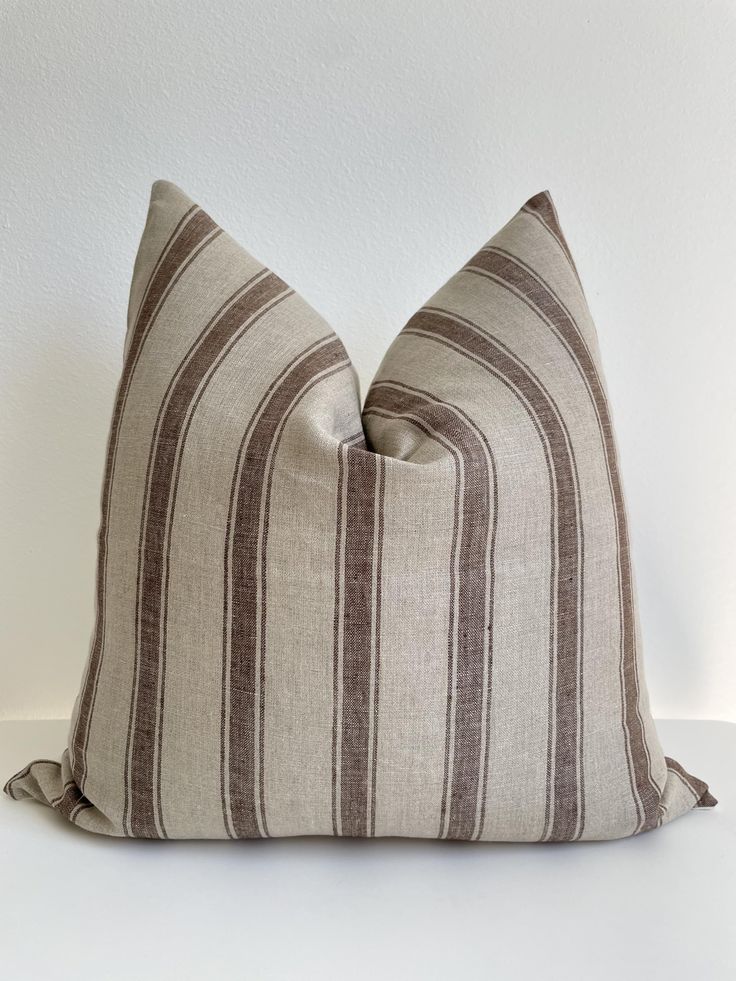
x=419, y=622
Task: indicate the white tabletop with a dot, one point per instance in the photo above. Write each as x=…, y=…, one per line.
x=73, y=905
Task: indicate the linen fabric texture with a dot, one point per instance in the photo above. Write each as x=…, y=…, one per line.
x=418, y=621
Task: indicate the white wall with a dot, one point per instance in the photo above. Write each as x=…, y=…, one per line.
x=364, y=151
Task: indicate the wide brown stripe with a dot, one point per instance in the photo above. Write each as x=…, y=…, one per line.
x=470, y=644
x=71, y=801
x=248, y=556
x=186, y=390
x=361, y=473
x=194, y=230
x=69, y=783
x=69, y=796
x=470, y=340
x=512, y=274
x=227, y=568
x=337, y=640
x=542, y=208
x=194, y=227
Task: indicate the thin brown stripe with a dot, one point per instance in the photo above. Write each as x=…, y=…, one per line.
x=226, y=618
x=194, y=230
x=337, y=622
x=248, y=616
x=512, y=274
x=8, y=788
x=377, y=629
x=27, y=769
x=542, y=208
x=188, y=386
x=698, y=788
x=323, y=367
x=469, y=339
x=83, y=805
x=337, y=632
x=207, y=240
x=683, y=780
x=470, y=646
x=368, y=412
x=491, y=578
x=269, y=306
x=70, y=800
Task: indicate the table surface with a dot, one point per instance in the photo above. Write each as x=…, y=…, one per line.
x=658, y=906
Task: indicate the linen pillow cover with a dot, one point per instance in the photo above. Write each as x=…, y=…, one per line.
x=421, y=622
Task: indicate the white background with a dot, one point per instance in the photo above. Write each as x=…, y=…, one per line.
x=364, y=151
x=658, y=907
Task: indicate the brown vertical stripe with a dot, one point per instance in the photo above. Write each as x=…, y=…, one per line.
x=470, y=642
x=512, y=274
x=184, y=394
x=247, y=552
x=356, y=656
x=472, y=632
x=193, y=232
x=381, y=495
x=470, y=340
x=323, y=367
x=358, y=611
x=542, y=208
x=338, y=633
x=372, y=409
x=227, y=584
x=71, y=801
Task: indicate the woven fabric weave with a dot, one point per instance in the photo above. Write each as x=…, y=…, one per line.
x=417, y=620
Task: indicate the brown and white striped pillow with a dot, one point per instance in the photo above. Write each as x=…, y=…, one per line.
x=421, y=622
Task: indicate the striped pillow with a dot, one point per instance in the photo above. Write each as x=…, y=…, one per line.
x=421, y=622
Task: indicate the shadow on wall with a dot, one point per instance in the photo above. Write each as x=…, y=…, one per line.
x=673, y=647
x=57, y=407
